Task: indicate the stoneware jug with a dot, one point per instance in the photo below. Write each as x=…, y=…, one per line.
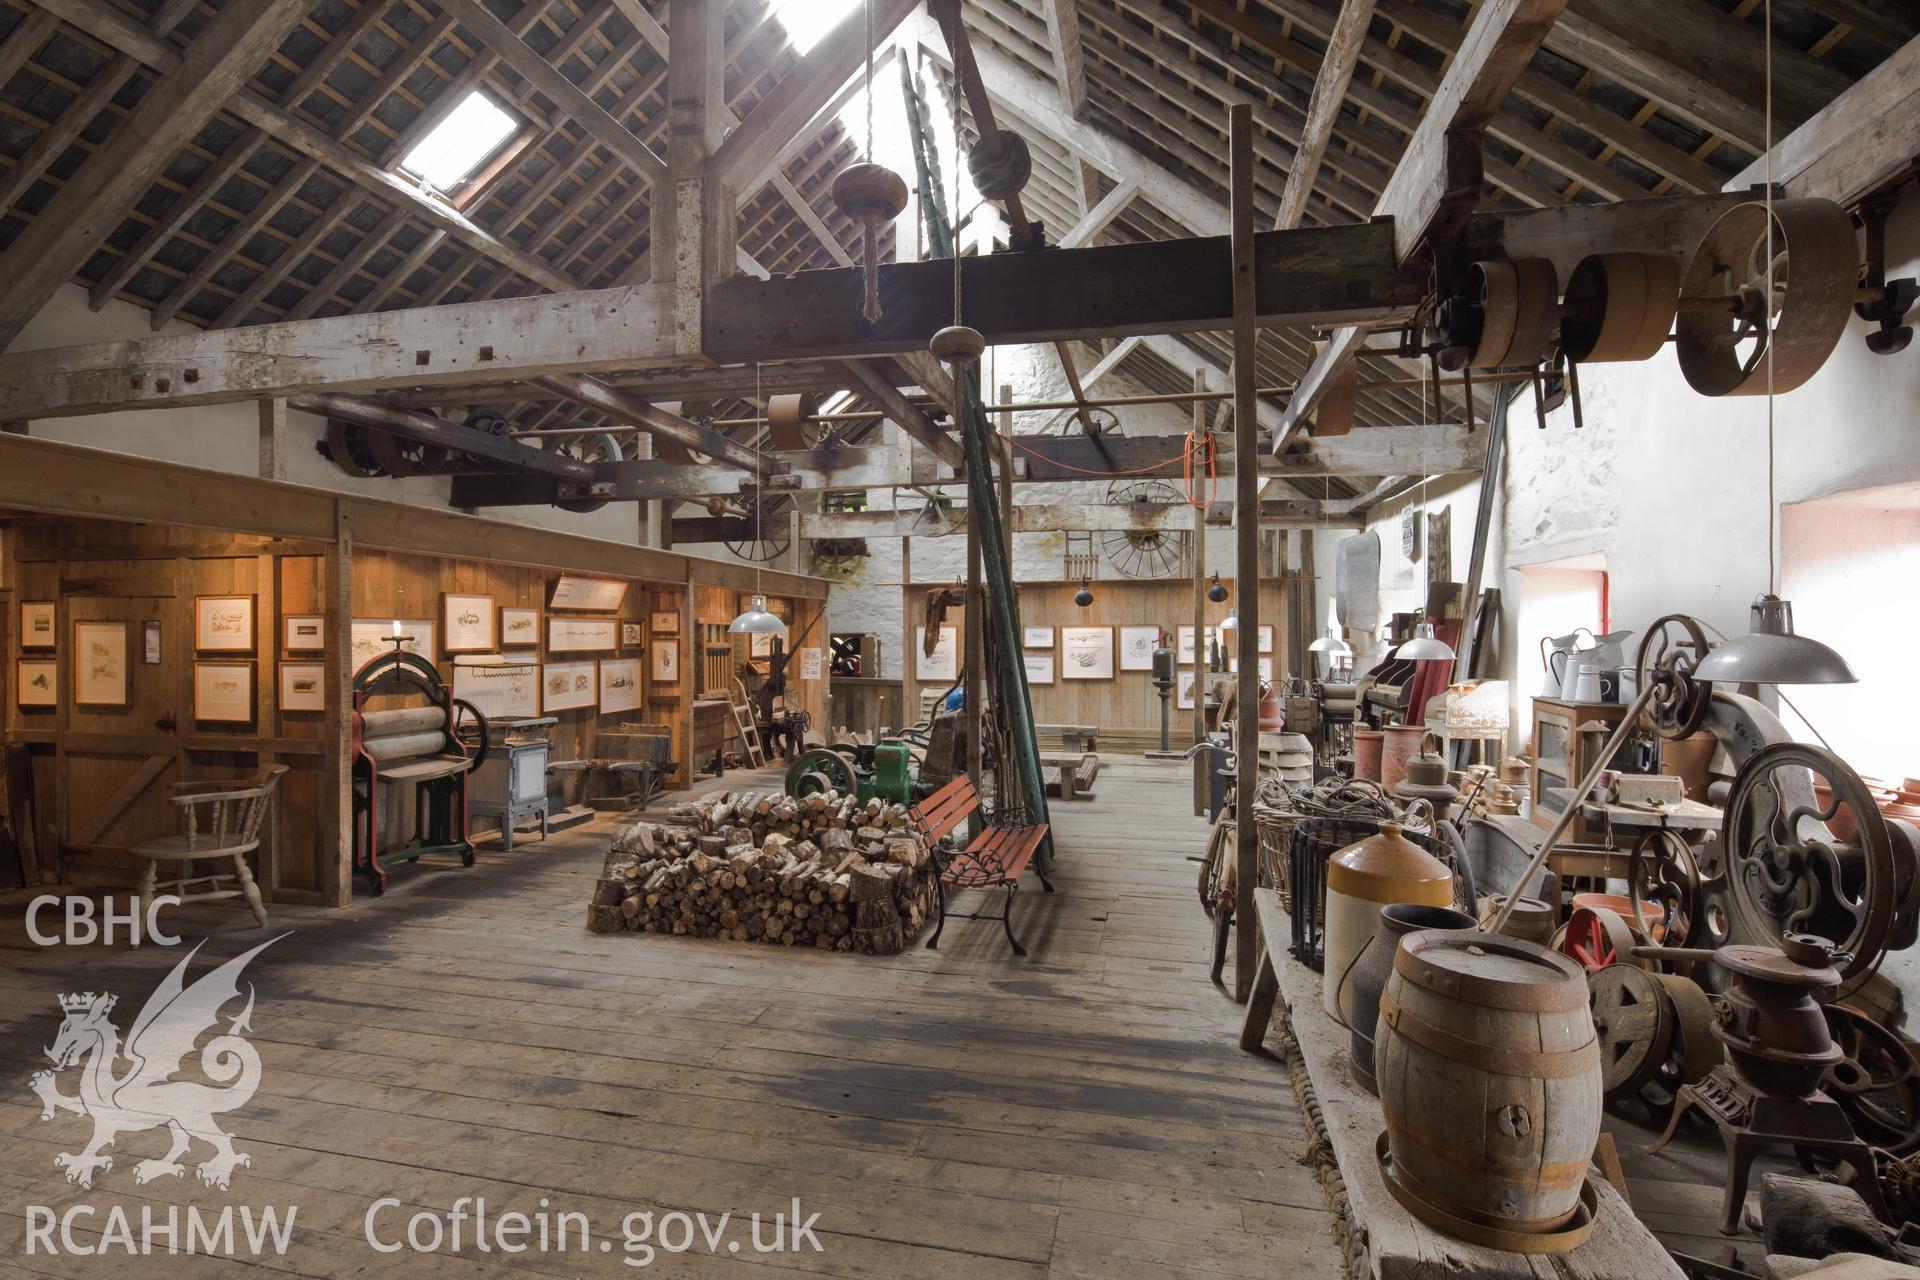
x=1367, y=976
x=1384, y=868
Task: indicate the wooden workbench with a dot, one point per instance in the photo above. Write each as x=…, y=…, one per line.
x=1400, y=1246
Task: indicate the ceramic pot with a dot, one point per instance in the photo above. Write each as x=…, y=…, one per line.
x=1367, y=746
x=1402, y=744
x=1532, y=919
x=1367, y=976
x=1273, y=709
x=1384, y=868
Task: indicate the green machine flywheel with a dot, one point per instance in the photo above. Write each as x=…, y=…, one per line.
x=818, y=769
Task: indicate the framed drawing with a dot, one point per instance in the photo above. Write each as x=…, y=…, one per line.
x=303, y=633
x=223, y=624
x=1183, y=643
x=1187, y=679
x=303, y=686
x=665, y=664
x=36, y=625
x=760, y=644
x=36, y=683
x=371, y=638
x=100, y=664
x=944, y=662
x=1039, y=667
x=223, y=692
x=1266, y=639
x=1136, y=647
x=502, y=686
x=582, y=635
x=664, y=622
x=588, y=595
x=519, y=628
x=467, y=623
x=568, y=686
x=1086, y=653
x=150, y=642
x=633, y=635
x=1265, y=667
x=619, y=684
x=1036, y=637
x=810, y=663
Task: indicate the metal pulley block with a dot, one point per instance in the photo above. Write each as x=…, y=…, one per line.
x=1002, y=168
x=1746, y=293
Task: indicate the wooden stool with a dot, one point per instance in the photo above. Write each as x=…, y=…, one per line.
x=217, y=820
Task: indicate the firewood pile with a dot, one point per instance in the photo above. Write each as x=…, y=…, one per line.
x=822, y=871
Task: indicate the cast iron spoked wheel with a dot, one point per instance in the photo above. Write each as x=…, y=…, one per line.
x=1144, y=553
x=471, y=720
x=1877, y=1084
x=764, y=549
x=1693, y=1049
x=1669, y=652
x=398, y=457
x=1662, y=874
x=934, y=513
x=589, y=446
x=819, y=769
x=1633, y=1022
x=350, y=449
x=1596, y=938
x=1788, y=871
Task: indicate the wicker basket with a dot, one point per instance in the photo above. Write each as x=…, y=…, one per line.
x=1275, y=828
x=1315, y=841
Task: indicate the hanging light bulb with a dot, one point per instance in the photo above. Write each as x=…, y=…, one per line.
x=757, y=621
x=1425, y=646
x=1218, y=591
x=1083, y=597
x=1770, y=652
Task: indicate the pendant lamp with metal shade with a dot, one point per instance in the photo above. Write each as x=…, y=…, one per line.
x=1770, y=653
x=1425, y=646
x=757, y=620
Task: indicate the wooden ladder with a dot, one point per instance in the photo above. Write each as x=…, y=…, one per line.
x=743, y=722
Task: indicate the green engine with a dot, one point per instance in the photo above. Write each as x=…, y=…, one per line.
x=884, y=770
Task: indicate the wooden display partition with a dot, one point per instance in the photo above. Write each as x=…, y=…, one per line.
x=142, y=539
x=1126, y=707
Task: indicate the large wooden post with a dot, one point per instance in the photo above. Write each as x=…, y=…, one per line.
x=334, y=872
x=1246, y=512
x=1204, y=763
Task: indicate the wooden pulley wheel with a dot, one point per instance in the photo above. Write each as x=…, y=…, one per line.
x=1619, y=306
x=1633, y=1020
x=348, y=448
x=1694, y=1050
x=1514, y=303
x=1729, y=320
x=789, y=417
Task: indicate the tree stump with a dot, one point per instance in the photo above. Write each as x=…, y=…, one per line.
x=876, y=921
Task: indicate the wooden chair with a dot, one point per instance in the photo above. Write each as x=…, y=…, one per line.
x=217, y=820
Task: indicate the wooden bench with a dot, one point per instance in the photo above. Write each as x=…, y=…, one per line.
x=995, y=859
x=1070, y=777
x=1076, y=738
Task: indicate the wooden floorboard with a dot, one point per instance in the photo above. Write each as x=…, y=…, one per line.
x=958, y=1113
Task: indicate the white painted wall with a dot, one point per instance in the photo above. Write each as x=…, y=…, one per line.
x=225, y=437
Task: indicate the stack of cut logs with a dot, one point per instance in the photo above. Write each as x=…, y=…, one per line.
x=822, y=870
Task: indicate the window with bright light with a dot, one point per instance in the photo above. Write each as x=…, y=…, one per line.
x=806, y=21
x=470, y=136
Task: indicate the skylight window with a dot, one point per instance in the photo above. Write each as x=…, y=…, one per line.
x=466, y=139
x=806, y=21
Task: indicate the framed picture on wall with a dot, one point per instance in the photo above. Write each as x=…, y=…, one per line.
x=100, y=654
x=619, y=684
x=223, y=692
x=664, y=622
x=304, y=633
x=36, y=625
x=1086, y=653
x=944, y=662
x=665, y=665
x=582, y=635
x=1136, y=647
x=223, y=624
x=1186, y=681
x=519, y=628
x=1036, y=637
x=1266, y=667
x=502, y=686
x=36, y=683
x=760, y=644
x=633, y=635
x=568, y=686
x=1039, y=667
x=372, y=637
x=303, y=686
x=1183, y=644
x=150, y=642
x=1266, y=639
x=467, y=623
x=588, y=595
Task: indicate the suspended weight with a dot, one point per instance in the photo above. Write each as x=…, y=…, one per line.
x=1728, y=319
x=1619, y=306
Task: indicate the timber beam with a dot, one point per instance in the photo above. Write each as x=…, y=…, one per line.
x=1171, y=517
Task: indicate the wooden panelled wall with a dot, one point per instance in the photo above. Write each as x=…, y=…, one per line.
x=1127, y=705
x=100, y=775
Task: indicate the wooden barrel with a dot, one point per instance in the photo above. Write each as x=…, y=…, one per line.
x=1489, y=1075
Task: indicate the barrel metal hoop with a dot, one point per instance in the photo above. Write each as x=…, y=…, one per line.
x=1541, y=1064
x=1493, y=993
x=1456, y=1220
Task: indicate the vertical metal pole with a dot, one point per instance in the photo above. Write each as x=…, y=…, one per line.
x=1482, y=529
x=1203, y=764
x=909, y=651
x=976, y=658
x=1246, y=493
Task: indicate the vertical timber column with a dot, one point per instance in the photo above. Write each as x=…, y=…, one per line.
x=1246, y=526
x=1202, y=763
x=1005, y=454
x=909, y=652
x=334, y=865
x=699, y=240
x=273, y=439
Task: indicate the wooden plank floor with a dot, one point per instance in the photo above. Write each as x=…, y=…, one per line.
x=956, y=1114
